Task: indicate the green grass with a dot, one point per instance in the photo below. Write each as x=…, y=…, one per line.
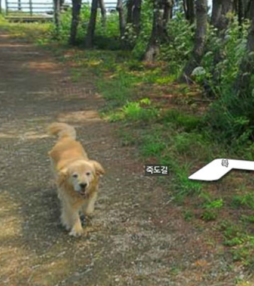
x=243, y=201
x=33, y=32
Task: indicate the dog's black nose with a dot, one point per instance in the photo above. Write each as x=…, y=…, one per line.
x=83, y=185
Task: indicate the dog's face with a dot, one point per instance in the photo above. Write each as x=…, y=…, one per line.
x=81, y=174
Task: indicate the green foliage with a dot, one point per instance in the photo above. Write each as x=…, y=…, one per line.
x=118, y=90
x=39, y=33
x=107, y=38
x=186, y=122
x=246, y=200
x=135, y=111
x=140, y=43
x=215, y=204
x=152, y=145
x=209, y=215
x=188, y=215
x=230, y=116
x=180, y=44
x=249, y=219
x=183, y=186
x=211, y=207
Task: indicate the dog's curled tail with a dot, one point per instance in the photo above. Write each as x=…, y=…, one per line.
x=62, y=130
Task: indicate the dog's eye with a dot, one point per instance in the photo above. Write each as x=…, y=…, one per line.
x=75, y=175
x=88, y=173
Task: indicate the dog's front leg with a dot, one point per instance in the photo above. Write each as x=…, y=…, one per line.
x=66, y=215
x=70, y=219
x=76, y=229
x=90, y=205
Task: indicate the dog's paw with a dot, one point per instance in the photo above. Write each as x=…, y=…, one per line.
x=76, y=232
x=89, y=211
x=65, y=225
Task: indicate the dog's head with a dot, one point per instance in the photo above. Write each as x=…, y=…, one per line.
x=80, y=175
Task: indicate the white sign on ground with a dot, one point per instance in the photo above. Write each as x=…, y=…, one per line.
x=218, y=168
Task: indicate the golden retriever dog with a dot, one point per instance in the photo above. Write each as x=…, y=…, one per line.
x=76, y=176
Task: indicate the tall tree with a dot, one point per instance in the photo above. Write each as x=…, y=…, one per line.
x=247, y=65
x=248, y=12
x=76, y=6
x=240, y=11
x=168, y=11
x=159, y=32
x=103, y=13
x=200, y=39
x=122, y=23
x=216, y=12
x=136, y=17
x=91, y=26
x=226, y=8
x=57, y=13
x=189, y=9
x=220, y=11
x=129, y=5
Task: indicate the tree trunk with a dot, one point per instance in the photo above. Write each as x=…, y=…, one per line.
x=216, y=12
x=103, y=13
x=227, y=7
x=129, y=6
x=168, y=10
x=136, y=15
x=76, y=6
x=248, y=12
x=247, y=65
x=200, y=40
x=91, y=26
x=159, y=33
x=250, y=43
x=57, y=19
x=240, y=12
x=189, y=9
x=122, y=23
x=246, y=8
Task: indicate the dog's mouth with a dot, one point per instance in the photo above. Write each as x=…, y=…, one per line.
x=83, y=193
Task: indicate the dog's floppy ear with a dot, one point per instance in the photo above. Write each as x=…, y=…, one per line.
x=99, y=170
x=62, y=176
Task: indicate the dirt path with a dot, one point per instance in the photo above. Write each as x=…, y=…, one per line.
x=137, y=237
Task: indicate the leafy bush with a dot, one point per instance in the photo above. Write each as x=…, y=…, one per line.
x=180, y=44
x=230, y=117
x=135, y=111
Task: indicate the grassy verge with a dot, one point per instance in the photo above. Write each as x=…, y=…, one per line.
x=33, y=32
x=166, y=122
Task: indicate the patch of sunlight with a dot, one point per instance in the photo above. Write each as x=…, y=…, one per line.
x=46, y=273
x=95, y=63
x=5, y=45
x=10, y=231
x=24, y=136
x=80, y=116
x=42, y=66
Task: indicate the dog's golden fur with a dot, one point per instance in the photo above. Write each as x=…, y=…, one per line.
x=76, y=176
